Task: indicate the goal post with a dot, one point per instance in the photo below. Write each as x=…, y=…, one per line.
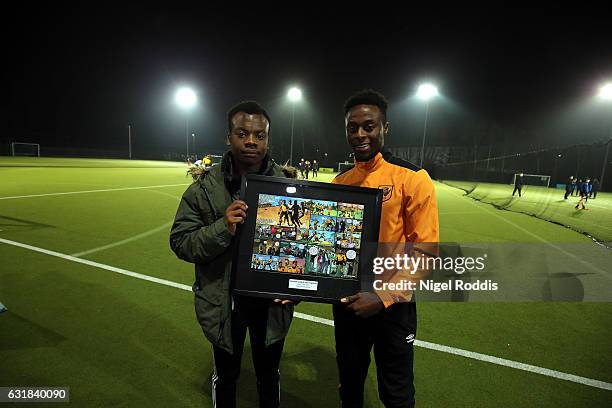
x=25, y=149
x=541, y=180
x=344, y=166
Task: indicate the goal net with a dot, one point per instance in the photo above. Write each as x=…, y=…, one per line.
x=344, y=166
x=533, y=179
x=25, y=149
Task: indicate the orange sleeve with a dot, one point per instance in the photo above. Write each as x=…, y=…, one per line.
x=421, y=212
x=421, y=228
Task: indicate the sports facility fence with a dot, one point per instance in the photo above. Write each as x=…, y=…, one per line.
x=493, y=164
x=487, y=173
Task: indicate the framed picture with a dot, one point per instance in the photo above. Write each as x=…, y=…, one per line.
x=304, y=240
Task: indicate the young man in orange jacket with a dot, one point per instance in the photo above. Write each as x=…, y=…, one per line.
x=383, y=320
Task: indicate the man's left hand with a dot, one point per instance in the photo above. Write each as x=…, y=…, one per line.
x=363, y=304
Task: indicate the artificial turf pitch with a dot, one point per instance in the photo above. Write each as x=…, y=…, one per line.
x=117, y=340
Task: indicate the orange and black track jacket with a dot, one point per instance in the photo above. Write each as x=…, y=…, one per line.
x=409, y=209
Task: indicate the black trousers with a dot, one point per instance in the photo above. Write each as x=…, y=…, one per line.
x=391, y=332
x=248, y=313
x=517, y=188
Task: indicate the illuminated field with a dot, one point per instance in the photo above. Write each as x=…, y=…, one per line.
x=119, y=340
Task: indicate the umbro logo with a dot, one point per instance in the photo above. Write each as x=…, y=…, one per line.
x=410, y=338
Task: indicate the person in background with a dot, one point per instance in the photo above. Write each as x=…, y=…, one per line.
x=596, y=186
x=568, y=187
x=207, y=161
x=518, y=184
x=584, y=194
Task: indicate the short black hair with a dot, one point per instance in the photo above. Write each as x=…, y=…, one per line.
x=367, y=97
x=250, y=107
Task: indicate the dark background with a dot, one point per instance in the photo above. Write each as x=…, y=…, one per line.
x=75, y=77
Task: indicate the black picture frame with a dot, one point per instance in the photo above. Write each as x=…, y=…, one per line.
x=302, y=266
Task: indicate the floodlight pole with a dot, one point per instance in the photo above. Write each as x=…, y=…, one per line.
x=292, y=125
x=424, y=132
x=193, y=143
x=130, y=141
x=605, y=162
x=187, y=132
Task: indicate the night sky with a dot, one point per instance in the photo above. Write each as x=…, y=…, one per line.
x=77, y=77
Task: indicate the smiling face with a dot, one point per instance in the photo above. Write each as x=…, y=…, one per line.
x=248, y=138
x=366, y=128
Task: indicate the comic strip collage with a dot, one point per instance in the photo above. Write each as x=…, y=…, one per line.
x=307, y=237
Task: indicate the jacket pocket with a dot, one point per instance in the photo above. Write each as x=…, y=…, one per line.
x=208, y=308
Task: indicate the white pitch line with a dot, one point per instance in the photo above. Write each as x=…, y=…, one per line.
x=432, y=346
x=96, y=264
x=515, y=364
x=91, y=191
x=124, y=241
x=165, y=194
x=486, y=358
x=315, y=319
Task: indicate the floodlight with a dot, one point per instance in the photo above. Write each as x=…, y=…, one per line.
x=427, y=91
x=294, y=94
x=185, y=98
x=605, y=91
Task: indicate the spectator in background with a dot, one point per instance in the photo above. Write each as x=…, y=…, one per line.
x=315, y=168
x=574, y=181
x=307, y=168
x=207, y=161
x=568, y=187
x=595, y=188
x=584, y=194
x=518, y=184
x=587, y=188
x=579, y=188
x=301, y=166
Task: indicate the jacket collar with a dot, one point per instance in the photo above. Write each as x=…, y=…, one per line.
x=227, y=166
x=374, y=163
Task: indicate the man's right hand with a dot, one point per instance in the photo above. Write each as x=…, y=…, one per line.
x=235, y=214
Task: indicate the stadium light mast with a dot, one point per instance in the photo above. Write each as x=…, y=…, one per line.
x=130, y=141
x=294, y=95
x=426, y=92
x=605, y=94
x=186, y=99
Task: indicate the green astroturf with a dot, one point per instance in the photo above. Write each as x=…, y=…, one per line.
x=120, y=341
x=548, y=204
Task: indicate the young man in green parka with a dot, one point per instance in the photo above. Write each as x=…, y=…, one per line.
x=204, y=233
